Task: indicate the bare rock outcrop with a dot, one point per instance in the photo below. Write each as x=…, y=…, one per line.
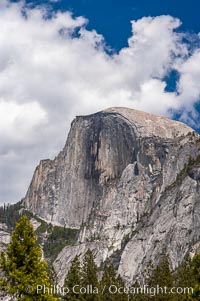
x=129, y=181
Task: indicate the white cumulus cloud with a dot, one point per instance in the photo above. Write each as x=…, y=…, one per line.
x=52, y=68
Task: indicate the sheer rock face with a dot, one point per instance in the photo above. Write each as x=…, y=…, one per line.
x=4, y=239
x=66, y=190
x=129, y=181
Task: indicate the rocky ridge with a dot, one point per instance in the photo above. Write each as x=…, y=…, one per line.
x=129, y=181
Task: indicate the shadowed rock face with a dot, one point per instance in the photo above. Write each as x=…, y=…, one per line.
x=98, y=149
x=129, y=181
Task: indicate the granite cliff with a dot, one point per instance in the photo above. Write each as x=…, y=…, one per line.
x=129, y=181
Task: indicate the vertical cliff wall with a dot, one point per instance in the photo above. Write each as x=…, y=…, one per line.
x=129, y=181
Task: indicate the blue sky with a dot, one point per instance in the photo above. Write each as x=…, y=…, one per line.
x=112, y=18
x=106, y=16
x=66, y=58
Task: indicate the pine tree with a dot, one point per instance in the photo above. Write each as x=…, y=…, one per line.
x=121, y=283
x=161, y=277
x=184, y=278
x=111, y=279
x=136, y=293
x=90, y=277
x=196, y=273
x=22, y=266
x=74, y=277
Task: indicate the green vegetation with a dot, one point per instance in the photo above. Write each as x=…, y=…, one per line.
x=58, y=238
x=52, y=238
x=162, y=276
x=185, y=277
x=44, y=227
x=159, y=280
x=86, y=274
x=196, y=275
x=110, y=278
x=89, y=275
x=184, y=172
x=10, y=214
x=74, y=276
x=22, y=265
